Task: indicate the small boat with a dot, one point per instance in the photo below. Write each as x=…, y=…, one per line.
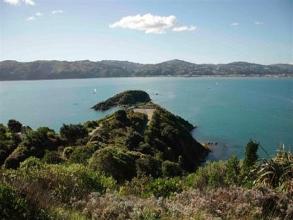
x=95, y=91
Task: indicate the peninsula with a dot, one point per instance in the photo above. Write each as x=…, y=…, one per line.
x=139, y=162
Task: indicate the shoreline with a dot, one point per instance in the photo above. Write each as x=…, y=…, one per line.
x=162, y=76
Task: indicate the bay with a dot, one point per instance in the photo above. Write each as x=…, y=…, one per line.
x=230, y=111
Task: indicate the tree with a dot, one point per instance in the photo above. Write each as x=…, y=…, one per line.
x=250, y=154
x=14, y=126
x=73, y=132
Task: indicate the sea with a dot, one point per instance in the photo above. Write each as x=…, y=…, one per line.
x=227, y=111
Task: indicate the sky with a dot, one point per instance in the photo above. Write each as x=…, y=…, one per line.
x=147, y=31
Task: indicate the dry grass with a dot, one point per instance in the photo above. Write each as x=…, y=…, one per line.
x=221, y=203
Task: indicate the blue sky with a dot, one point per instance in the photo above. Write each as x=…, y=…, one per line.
x=147, y=31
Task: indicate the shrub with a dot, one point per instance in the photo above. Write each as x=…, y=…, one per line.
x=171, y=169
x=52, y=157
x=16, y=157
x=67, y=152
x=233, y=171
x=147, y=165
x=14, y=206
x=40, y=140
x=276, y=172
x=81, y=154
x=114, y=162
x=164, y=187
x=14, y=126
x=73, y=132
x=58, y=183
x=63, y=177
x=31, y=163
x=133, y=140
x=137, y=186
x=211, y=175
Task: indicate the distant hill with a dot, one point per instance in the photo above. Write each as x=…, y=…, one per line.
x=13, y=70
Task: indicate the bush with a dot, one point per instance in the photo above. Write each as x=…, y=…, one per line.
x=14, y=126
x=81, y=154
x=233, y=171
x=147, y=165
x=210, y=175
x=67, y=152
x=31, y=163
x=58, y=183
x=276, y=172
x=13, y=206
x=164, y=187
x=63, y=177
x=40, y=140
x=133, y=140
x=73, y=132
x=114, y=162
x=16, y=157
x=171, y=169
x=52, y=157
x=137, y=186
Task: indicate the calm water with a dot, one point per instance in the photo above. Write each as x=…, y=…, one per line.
x=227, y=110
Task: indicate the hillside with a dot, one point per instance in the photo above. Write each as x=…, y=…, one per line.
x=13, y=70
x=140, y=162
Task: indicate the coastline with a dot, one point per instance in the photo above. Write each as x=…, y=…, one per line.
x=163, y=76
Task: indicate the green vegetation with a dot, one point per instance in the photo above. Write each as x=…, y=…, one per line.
x=132, y=166
x=72, y=133
x=126, y=98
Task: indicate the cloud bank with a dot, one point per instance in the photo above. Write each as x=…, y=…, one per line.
x=18, y=2
x=149, y=23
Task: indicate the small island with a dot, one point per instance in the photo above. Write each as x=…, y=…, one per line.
x=127, y=98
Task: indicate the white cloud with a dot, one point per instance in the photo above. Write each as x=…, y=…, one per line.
x=148, y=23
x=12, y=2
x=31, y=18
x=18, y=2
x=235, y=24
x=57, y=12
x=184, y=28
x=29, y=2
x=38, y=14
x=258, y=23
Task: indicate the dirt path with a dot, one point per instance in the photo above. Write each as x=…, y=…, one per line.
x=149, y=112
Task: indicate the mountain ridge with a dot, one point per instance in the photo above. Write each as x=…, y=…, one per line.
x=54, y=69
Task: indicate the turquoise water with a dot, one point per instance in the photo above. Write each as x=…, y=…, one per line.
x=226, y=110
